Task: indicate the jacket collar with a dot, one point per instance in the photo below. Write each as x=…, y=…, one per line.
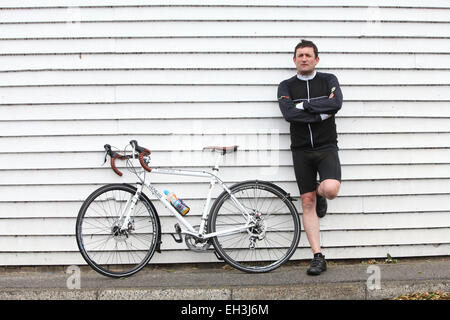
x=306, y=78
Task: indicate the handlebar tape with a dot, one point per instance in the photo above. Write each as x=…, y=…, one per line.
x=114, y=155
x=146, y=152
x=113, y=165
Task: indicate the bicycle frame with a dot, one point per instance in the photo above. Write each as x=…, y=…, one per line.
x=189, y=229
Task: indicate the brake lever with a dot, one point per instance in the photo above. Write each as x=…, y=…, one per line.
x=107, y=151
x=134, y=151
x=106, y=158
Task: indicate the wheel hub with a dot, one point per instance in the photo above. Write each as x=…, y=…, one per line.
x=258, y=231
x=121, y=235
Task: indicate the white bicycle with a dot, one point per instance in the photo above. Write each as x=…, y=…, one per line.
x=252, y=225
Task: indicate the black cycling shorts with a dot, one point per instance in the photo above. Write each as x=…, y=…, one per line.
x=308, y=163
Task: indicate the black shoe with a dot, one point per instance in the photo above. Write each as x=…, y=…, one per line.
x=318, y=265
x=321, y=206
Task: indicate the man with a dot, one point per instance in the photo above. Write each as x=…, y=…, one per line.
x=309, y=101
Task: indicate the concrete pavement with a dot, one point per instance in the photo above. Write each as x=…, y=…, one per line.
x=356, y=280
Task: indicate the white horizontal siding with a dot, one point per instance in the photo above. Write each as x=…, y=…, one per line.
x=183, y=74
x=250, y=44
x=192, y=191
x=362, y=109
x=212, y=126
x=207, y=93
x=378, y=221
x=218, y=61
x=233, y=28
x=56, y=243
x=181, y=142
x=207, y=77
x=353, y=205
x=230, y=13
x=224, y=3
x=282, y=173
x=68, y=160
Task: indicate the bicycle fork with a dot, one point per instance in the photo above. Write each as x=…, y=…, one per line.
x=129, y=208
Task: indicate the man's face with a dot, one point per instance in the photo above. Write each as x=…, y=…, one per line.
x=305, y=60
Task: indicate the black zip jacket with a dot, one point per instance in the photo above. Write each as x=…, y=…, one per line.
x=308, y=130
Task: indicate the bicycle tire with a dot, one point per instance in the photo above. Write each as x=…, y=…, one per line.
x=104, y=247
x=276, y=236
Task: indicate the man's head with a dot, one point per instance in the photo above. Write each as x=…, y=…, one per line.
x=306, y=57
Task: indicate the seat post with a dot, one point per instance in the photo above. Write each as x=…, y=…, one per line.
x=219, y=156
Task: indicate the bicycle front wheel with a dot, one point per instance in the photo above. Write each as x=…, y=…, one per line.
x=104, y=243
x=273, y=237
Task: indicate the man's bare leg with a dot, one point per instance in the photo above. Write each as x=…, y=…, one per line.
x=328, y=188
x=311, y=220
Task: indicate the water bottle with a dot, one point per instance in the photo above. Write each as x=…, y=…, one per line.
x=178, y=204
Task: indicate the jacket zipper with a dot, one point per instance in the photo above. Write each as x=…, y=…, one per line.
x=311, y=136
x=309, y=125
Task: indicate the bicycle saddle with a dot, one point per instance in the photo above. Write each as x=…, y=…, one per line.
x=223, y=150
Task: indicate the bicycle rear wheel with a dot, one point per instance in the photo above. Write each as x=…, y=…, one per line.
x=267, y=244
x=107, y=248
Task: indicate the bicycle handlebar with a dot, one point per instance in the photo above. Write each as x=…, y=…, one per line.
x=142, y=152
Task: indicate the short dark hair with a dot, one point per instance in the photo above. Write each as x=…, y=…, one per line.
x=304, y=44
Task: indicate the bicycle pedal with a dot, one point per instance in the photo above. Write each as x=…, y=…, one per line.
x=178, y=231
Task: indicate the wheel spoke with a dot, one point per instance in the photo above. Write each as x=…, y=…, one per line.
x=106, y=248
x=268, y=244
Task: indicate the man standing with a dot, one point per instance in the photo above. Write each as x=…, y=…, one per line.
x=309, y=102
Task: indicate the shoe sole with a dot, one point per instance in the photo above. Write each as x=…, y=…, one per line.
x=315, y=273
x=321, y=215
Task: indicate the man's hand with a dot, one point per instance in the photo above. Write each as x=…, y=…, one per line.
x=325, y=116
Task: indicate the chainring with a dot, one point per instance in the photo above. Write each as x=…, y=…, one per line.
x=196, y=244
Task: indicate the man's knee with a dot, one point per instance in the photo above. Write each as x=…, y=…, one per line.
x=308, y=201
x=329, y=188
